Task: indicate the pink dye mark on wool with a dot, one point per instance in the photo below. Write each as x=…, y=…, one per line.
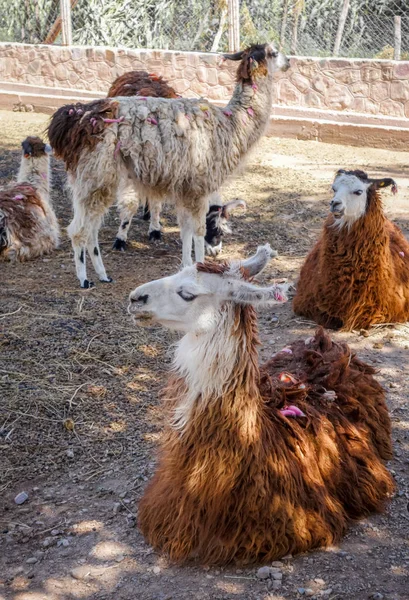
x=71, y=112
x=117, y=149
x=119, y=120
x=80, y=111
x=228, y=113
x=254, y=86
x=292, y=411
x=287, y=350
x=19, y=197
x=279, y=296
x=93, y=121
x=44, y=176
x=402, y=254
x=250, y=111
x=152, y=120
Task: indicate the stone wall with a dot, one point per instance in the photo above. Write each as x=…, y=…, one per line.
x=362, y=86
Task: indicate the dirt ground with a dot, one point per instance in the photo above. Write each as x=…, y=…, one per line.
x=80, y=421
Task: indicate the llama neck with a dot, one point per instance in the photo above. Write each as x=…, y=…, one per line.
x=250, y=107
x=36, y=172
x=219, y=369
x=367, y=236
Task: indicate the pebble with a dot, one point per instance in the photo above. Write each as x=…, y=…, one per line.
x=119, y=558
x=117, y=507
x=327, y=592
x=48, y=542
x=156, y=570
x=21, y=498
x=376, y=596
x=63, y=542
x=301, y=591
x=80, y=573
x=277, y=563
x=264, y=573
x=55, y=532
x=273, y=585
x=32, y=560
x=319, y=581
x=277, y=576
x=70, y=453
x=309, y=592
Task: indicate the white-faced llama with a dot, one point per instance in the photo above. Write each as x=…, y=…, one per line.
x=143, y=84
x=28, y=225
x=260, y=461
x=181, y=149
x=357, y=274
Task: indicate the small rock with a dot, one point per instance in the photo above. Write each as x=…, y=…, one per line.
x=48, y=542
x=55, y=532
x=117, y=508
x=119, y=558
x=378, y=346
x=264, y=573
x=277, y=563
x=156, y=570
x=376, y=596
x=319, y=581
x=32, y=560
x=36, y=489
x=80, y=573
x=309, y=592
x=392, y=384
x=301, y=591
x=327, y=592
x=63, y=542
x=70, y=453
x=364, y=333
x=39, y=554
x=277, y=576
x=21, y=498
x=273, y=585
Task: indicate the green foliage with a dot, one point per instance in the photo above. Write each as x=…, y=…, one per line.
x=27, y=20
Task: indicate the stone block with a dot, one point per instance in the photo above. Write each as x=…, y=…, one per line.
x=358, y=105
x=181, y=85
x=392, y=108
x=338, y=97
x=104, y=71
x=308, y=69
x=336, y=63
x=110, y=56
x=73, y=78
x=201, y=74
x=407, y=110
x=225, y=78
x=371, y=106
x=359, y=89
x=287, y=93
x=212, y=76
x=320, y=83
x=314, y=100
x=400, y=90
x=401, y=70
x=347, y=76
x=61, y=72
x=370, y=74
x=301, y=83
x=379, y=91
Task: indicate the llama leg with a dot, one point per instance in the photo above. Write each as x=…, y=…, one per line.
x=186, y=235
x=199, y=230
x=78, y=236
x=94, y=250
x=128, y=203
x=154, y=226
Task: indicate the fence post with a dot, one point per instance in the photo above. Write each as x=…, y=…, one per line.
x=234, y=25
x=398, y=38
x=341, y=25
x=66, y=29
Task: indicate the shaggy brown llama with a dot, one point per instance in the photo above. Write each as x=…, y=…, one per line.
x=261, y=461
x=357, y=274
x=28, y=225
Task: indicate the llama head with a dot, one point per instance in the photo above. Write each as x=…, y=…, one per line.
x=34, y=147
x=217, y=224
x=352, y=194
x=257, y=61
x=192, y=300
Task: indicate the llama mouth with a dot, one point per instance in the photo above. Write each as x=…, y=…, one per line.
x=143, y=319
x=338, y=214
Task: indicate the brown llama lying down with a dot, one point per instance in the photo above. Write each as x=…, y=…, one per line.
x=357, y=274
x=144, y=84
x=260, y=461
x=28, y=225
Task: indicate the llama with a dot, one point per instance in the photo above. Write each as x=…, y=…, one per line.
x=28, y=225
x=181, y=149
x=357, y=274
x=260, y=461
x=141, y=83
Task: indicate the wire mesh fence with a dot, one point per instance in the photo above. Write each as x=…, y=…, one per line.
x=302, y=27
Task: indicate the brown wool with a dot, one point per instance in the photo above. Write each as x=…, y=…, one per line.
x=141, y=83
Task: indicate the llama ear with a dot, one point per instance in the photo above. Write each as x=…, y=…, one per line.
x=236, y=56
x=386, y=182
x=340, y=172
x=247, y=293
x=256, y=263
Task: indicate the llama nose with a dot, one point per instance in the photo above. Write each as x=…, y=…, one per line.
x=140, y=299
x=335, y=205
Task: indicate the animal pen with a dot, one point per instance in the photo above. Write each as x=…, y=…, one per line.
x=81, y=419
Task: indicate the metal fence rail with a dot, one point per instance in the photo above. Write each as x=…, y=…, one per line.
x=348, y=28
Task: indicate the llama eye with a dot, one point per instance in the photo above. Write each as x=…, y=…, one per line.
x=358, y=192
x=186, y=296
x=273, y=53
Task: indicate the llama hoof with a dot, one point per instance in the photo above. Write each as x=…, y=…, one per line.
x=87, y=284
x=107, y=280
x=119, y=245
x=155, y=235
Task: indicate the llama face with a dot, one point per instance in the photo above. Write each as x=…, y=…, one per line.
x=350, y=197
x=259, y=60
x=192, y=299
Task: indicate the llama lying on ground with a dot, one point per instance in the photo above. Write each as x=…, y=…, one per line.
x=181, y=149
x=28, y=225
x=260, y=461
x=141, y=83
x=358, y=272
